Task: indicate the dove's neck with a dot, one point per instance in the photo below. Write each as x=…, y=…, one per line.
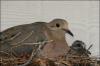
x=57, y=35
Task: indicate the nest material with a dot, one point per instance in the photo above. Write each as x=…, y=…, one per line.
x=19, y=61
x=69, y=61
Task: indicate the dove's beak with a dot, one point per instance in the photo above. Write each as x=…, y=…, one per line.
x=69, y=32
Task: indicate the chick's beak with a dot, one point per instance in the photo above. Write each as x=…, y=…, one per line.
x=69, y=32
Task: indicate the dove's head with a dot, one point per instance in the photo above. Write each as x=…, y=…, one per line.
x=60, y=25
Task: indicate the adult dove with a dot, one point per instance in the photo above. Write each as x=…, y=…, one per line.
x=22, y=40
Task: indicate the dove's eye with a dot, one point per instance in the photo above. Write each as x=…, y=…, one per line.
x=57, y=25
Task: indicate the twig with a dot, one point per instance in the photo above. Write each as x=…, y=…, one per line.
x=24, y=39
x=34, y=53
x=15, y=36
x=4, y=52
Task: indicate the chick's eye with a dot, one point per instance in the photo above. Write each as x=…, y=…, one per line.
x=57, y=25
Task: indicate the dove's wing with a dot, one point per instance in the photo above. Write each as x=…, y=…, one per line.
x=22, y=40
x=6, y=38
x=10, y=32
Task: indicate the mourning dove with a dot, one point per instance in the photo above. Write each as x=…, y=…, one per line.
x=23, y=39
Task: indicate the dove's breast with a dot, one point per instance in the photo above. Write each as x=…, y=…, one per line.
x=55, y=50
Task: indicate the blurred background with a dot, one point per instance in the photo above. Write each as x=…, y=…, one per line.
x=83, y=17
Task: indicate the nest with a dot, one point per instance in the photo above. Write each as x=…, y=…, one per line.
x=70, y=61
